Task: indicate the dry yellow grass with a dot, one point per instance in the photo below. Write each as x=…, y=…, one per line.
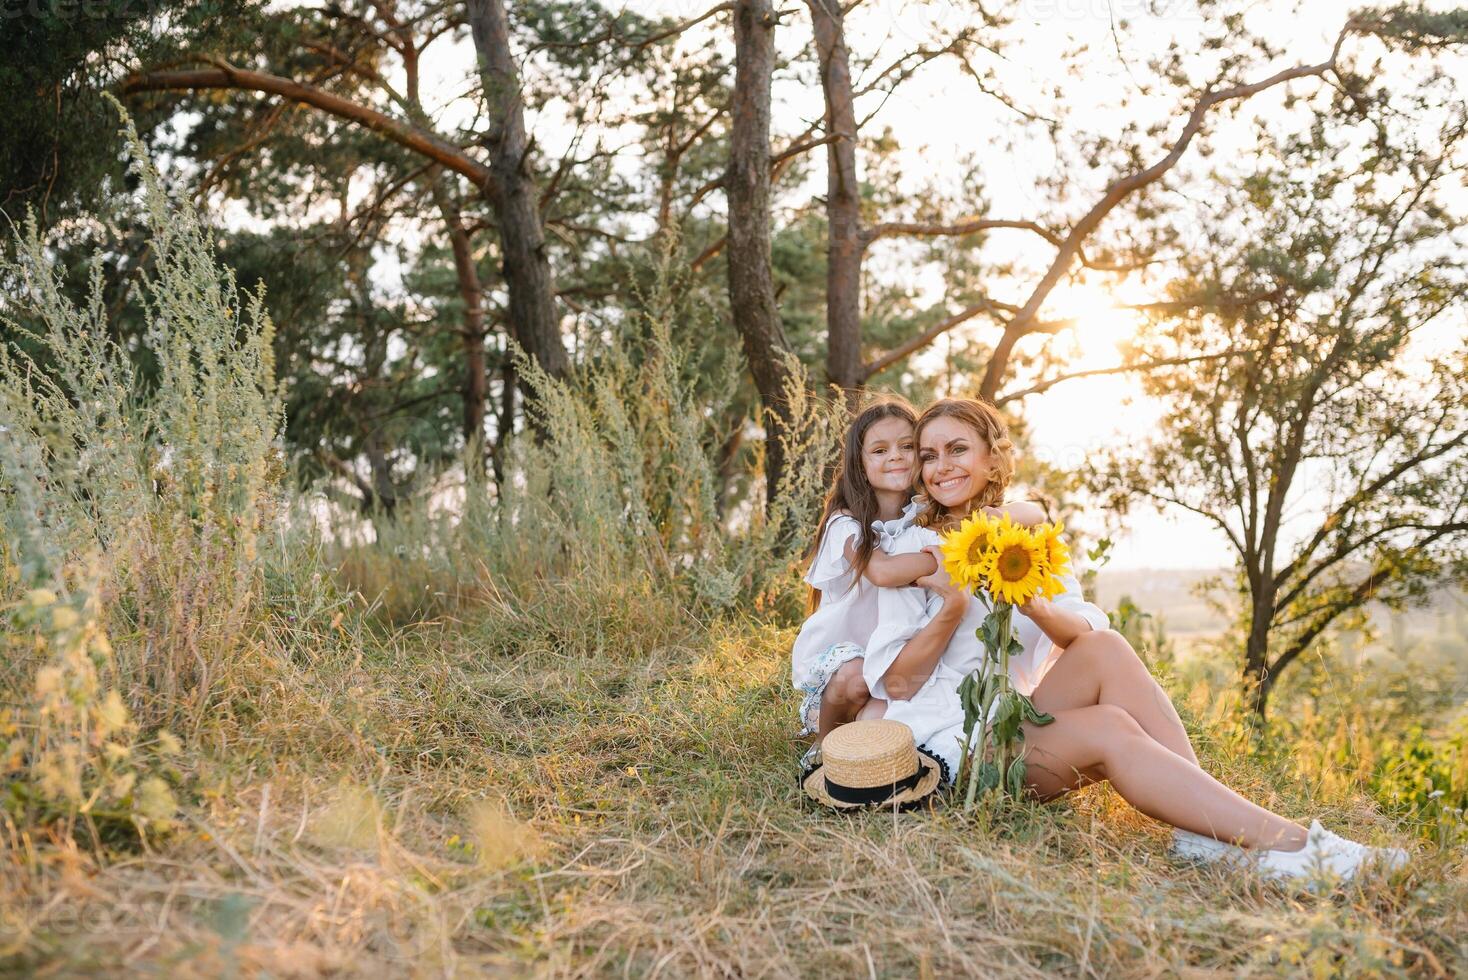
x=618, y=798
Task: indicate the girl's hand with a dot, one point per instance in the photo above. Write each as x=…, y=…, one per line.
x=953, y=597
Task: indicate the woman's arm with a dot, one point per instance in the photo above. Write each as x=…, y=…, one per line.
x=1061, y=625
x=894, y=571
x=1068, y=615
x=915, y=662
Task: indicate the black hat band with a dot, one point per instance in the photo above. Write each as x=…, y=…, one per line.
x=872, y=794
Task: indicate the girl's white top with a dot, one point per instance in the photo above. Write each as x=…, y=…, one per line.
x=848, y=609
x=934, y=713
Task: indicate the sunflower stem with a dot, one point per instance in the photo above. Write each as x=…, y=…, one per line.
x=1005, y=612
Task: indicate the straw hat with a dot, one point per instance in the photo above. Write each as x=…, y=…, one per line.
x=872, y=763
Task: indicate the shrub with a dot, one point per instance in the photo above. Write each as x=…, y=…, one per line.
x=166, y=485
x=617, y=480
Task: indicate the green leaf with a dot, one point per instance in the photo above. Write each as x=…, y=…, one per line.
x=1033, y=714
x=969, y=691
x=1016, y=778
x=989, y=631
x=1007, y=718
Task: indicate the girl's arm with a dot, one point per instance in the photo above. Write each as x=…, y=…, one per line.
x=915, y=662
x=894, y=571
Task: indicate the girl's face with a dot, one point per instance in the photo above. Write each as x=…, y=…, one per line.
x=887, y=454
x=955, y=461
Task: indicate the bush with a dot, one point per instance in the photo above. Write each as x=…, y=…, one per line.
x=1426, y=781
x=617, y=481
x=168, y=485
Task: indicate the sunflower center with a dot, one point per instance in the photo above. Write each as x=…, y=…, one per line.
x=1014, y=563
x=977, y=547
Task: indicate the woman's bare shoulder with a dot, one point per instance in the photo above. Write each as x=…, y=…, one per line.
x=1024, y=512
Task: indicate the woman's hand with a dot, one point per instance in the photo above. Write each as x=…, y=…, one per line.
x=1038, y=608
x=1058, y=623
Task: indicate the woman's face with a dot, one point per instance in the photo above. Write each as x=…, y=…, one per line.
x=955, y=461
x=887, y=454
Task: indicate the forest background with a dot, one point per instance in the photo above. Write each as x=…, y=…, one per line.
x=412, y=417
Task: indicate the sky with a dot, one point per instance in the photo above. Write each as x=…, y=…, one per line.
x=938, y=117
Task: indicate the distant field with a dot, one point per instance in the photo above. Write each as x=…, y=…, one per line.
x=1179, y=599
x=1173, y=595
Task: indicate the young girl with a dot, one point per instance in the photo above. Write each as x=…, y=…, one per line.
x=869, y=504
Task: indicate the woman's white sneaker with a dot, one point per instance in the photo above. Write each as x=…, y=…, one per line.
x=1327, y=855
x=1188, y=846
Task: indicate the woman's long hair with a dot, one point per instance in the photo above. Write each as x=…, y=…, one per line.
x=851, y=491
x=985, y=420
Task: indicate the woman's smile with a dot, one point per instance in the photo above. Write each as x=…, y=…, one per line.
x=949, y=484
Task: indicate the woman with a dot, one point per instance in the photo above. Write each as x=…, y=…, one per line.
x=1112, y=720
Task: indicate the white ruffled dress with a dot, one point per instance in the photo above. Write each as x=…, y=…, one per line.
x=839, y=628
x=934, y=713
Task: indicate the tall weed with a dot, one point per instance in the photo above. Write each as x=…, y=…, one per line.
x=616, y=481
x=169, y=484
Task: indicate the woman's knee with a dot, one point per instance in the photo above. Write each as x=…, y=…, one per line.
x=1119, y=739
x=1108, y=650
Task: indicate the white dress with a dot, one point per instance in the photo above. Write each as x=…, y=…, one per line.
x=933, y=712
x=839, y=628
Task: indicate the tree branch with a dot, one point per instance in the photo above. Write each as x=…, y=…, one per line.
x=1334, y=518
x=430, y=145
x=937, y=330
x=1120, y=189
x=1117, y=369
x=637, y=43
x=969, y=227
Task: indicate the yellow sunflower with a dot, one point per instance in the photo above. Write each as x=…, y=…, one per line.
x=1017, y=572
x=966, y=549
x=1057, y=558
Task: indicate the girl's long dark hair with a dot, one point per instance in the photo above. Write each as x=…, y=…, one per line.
x=851, y=491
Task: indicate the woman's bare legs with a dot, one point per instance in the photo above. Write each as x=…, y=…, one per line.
x=1104, y=741
x=1100, y=667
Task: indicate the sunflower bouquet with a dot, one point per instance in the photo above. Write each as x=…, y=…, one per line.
x=1005, y=565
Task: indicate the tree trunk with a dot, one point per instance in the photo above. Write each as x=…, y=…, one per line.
x=533, y=314
x=505, y=424
x=476, y=382
x=844, y=244
x=1257, y=682
x=751, y=281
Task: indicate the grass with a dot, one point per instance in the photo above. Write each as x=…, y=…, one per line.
x=618, y=798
